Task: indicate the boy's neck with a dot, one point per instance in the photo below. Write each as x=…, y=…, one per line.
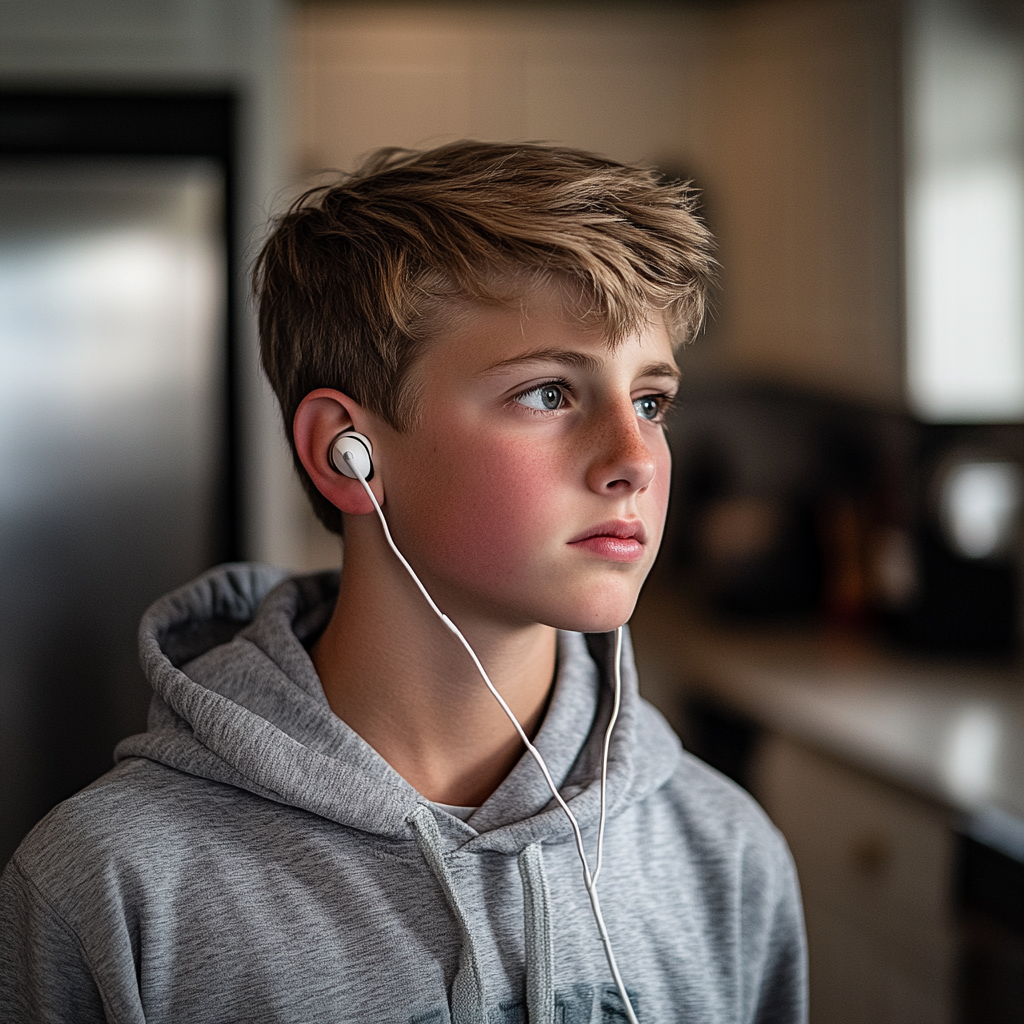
x=396, y=676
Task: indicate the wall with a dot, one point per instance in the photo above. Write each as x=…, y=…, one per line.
x=628, y=83
x=806, y=166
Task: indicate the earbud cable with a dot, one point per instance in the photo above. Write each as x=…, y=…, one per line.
x=604, y=752
x=589, y=880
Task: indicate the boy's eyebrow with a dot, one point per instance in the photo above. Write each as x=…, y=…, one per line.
x=661, y=370
x=567, y=357
x=580, y=361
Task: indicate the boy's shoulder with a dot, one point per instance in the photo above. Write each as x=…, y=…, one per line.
x=716, y=819
x=138, y=816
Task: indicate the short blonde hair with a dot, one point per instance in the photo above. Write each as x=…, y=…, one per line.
x=356, y=276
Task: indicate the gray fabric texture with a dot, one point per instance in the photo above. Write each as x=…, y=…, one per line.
x=250, y=858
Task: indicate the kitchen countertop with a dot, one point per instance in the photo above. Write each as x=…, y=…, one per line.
x=952, y=732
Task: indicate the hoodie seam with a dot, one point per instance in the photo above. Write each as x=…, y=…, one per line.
x=266, y=794
x=41, y=894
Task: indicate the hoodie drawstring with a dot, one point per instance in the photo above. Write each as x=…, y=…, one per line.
x=469, y=996
x=469, y=1001
x=540, y=954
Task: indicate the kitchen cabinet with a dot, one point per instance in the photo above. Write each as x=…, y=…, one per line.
x=876, y=873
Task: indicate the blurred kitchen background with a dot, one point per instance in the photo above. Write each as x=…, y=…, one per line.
x=836, y=619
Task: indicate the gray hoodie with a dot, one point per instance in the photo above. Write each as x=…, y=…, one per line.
x=250, y=858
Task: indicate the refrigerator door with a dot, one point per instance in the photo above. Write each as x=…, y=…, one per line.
x=112, y=419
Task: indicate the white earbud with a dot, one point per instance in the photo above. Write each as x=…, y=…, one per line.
x=359, y=449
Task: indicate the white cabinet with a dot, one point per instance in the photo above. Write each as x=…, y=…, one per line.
x=876, y=871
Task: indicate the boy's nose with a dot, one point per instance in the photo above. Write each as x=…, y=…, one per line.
x=623, y=462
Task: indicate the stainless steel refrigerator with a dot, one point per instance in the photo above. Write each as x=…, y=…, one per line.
x=115, y=414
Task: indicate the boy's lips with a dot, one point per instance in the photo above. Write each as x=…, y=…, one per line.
x=620, y=540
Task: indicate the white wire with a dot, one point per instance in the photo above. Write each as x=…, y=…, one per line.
x=604, y=752
x=589, y=880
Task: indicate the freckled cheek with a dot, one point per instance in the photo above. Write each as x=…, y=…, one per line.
x=491, y=502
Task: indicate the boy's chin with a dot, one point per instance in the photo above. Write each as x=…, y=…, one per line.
x=594, y=620
x=599, y=608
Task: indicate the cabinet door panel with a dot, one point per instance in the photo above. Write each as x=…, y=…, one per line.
x=853, y=980
x=875, y=868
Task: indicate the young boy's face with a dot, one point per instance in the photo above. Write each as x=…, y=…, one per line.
x=534, y=485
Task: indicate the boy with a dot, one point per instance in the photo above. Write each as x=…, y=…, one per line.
x=331, y=818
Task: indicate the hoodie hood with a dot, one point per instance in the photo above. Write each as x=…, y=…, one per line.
x=238, y=701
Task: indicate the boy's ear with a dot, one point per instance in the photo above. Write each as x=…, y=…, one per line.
x=321, y=416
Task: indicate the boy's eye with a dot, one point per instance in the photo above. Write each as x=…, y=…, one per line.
x=648, y=407
x=545, y=398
